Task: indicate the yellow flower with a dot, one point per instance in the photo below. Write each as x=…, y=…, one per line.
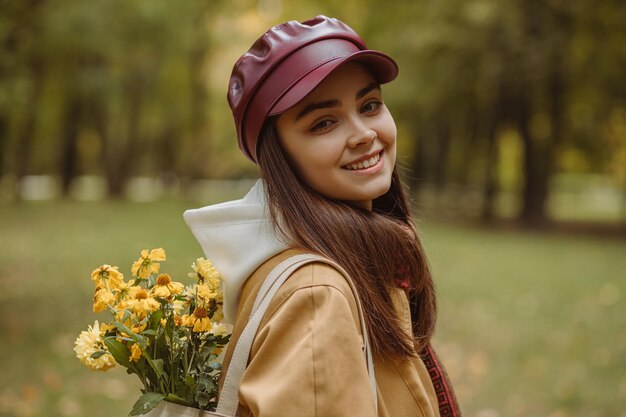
x=199, y=320
x=204, y=294
x=148, y=263
x=190, y=293
x=138, y=327
x=215, y=304
x=135, y=353
x=218, y=315
x=219, y=329
x=106, y=327
x=165, y=287
x=90, y=342
x=141, y=303
x=178, y=306
x=102, y=299
x=107, y=276
x=206, y=273
x=218, y=309
x=125, y=290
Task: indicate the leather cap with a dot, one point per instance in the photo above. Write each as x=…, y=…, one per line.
x=286, y=64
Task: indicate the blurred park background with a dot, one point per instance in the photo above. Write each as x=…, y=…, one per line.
x=512, y=135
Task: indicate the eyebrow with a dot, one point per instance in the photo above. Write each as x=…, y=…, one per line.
x=363, y=91
x=335, y=103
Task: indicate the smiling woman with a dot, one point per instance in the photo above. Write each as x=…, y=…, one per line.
x=308, y=108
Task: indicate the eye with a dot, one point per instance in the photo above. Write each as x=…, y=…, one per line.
x=371, y=106
x=322, y=125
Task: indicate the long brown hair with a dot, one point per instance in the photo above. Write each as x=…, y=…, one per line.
x=373, y=246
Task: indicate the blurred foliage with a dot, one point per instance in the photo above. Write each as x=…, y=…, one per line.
x=494, y=96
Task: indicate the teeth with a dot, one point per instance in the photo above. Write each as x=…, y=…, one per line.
x=365, y=164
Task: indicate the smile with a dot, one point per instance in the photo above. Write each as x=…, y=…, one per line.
x=364, y=164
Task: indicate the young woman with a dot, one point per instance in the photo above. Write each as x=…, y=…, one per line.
x=308, y=108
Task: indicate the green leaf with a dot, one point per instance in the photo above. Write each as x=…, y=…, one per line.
x=189, y=381
x=135, y=337
x=96, y=355
x=158, y=364
x=155, y=319
x=119, y=351
x=178, y=400
x=146, y=403
x=202, y=398
x=125, y=316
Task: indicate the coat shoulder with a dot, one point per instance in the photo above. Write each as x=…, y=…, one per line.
x=311, y=275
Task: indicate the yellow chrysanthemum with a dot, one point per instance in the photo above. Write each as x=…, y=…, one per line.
x=206, y=273
x=178, y=306
x=190, y=293
x=218, y=314
x=136, y=321
x=102, y=299
x=165, y=287
x=107, y=276
x=138, y=327
x=124, y=297
x=148, y=263
x=135, y=353
x=119, y=316
x=219, y=329
x=199, y=320
x=125, y=291
x=90, y=342
x=141, y=303
x=204, y=294
x=106, y=327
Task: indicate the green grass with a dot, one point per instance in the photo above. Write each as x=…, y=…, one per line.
x=529, y=324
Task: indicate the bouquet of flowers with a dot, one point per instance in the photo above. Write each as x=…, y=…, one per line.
x=167, y=334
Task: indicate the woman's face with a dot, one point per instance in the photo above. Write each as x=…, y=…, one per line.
x=341, y=137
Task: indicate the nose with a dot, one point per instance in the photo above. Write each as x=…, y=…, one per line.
x=361, y=134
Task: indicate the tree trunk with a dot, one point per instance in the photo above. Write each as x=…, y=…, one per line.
x=538, y=151
x=493, y=121
x=121, y=154
x=535, y=170
x=199, y=140
x=442, y=150
x=99, y=117
x=68, y=158
x=3, y=141
x=490, y=190
x=26, y=135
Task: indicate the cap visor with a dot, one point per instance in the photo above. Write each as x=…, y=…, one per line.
x=382, y=67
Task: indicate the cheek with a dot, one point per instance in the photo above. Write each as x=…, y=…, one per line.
x=309, y=162
x=388, y=133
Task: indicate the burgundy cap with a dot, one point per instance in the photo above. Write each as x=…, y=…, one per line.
x=286, y=64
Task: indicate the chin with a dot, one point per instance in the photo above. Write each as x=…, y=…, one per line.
x=375, y=192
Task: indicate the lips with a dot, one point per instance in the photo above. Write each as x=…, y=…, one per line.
x=364, y=162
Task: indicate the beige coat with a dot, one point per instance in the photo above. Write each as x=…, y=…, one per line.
x=307, y=359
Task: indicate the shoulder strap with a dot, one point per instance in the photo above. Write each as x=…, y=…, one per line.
x=229, y=398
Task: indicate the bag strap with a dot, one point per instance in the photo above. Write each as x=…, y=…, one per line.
x=229, y=396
